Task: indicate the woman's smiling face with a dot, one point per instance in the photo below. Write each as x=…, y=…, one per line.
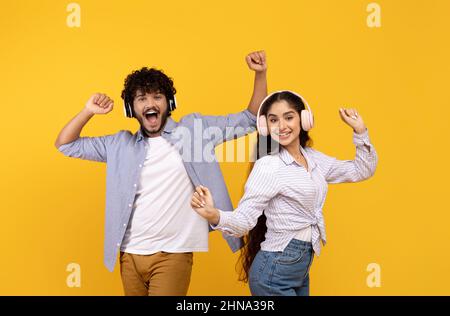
x=284, y=123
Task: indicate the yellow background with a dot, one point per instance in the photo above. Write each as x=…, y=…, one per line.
x=52, y=207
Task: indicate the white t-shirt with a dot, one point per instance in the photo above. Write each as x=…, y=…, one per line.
x=162, y=217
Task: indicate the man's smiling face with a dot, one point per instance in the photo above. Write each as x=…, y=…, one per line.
x=151, y=110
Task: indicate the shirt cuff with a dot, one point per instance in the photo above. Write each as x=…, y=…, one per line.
x=251, y=116
x=361, y=139
x=223, y=222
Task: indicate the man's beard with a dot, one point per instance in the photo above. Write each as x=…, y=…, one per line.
x=161, y=127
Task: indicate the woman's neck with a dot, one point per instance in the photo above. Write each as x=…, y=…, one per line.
x=294, y=148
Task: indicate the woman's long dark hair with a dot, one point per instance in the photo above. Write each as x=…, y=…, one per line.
x=266, y=146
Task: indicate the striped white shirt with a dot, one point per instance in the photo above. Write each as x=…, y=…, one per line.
x=292, y=197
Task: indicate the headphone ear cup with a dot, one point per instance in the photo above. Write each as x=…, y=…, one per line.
x=127, y=109
x=307, y=120
x=263, y=129
x=172, y=103
x=130, y=110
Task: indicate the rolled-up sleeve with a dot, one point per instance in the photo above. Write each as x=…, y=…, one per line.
x=88, y=148
x=231, y=125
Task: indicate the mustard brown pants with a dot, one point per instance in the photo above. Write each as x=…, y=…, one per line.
x=159, y=274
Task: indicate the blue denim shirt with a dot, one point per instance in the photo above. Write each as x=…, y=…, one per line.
x=124, y=154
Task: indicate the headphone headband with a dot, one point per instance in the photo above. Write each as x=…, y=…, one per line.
x=128, y=106
x=307, y=118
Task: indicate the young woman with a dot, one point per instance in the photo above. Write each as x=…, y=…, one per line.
x=288, y=186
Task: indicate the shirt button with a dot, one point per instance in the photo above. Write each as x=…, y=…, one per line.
x=124, y=225
x=118, y=245
x=135, y=185
x=129, y=205
x=140, y=166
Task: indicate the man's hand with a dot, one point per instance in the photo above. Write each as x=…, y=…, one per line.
x=99, y=103
x=353, y=119
x=202, y=202
x=256, y=61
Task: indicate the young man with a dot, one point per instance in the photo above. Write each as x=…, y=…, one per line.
x=151, y=176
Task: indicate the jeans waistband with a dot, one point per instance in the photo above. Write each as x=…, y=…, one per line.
x=299, y=244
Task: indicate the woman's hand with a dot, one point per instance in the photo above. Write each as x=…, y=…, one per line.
x=202, y=202
x=353, y=119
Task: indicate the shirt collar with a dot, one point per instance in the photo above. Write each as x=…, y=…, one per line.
x=168, y=128
x=285, y=156
x=288, y=159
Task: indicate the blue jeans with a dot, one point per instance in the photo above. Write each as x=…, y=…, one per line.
x=282, y=273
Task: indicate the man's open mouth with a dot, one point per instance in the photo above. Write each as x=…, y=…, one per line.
x=151, y=116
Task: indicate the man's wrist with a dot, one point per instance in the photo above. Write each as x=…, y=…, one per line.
x=87, y=112
x=261, y=74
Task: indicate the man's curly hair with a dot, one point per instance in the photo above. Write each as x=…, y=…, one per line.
x=147, y=80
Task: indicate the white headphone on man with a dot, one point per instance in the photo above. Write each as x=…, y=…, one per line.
x=306, y=116
x=128, y=104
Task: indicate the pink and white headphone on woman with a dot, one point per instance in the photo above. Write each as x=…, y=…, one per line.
x=306, y=116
